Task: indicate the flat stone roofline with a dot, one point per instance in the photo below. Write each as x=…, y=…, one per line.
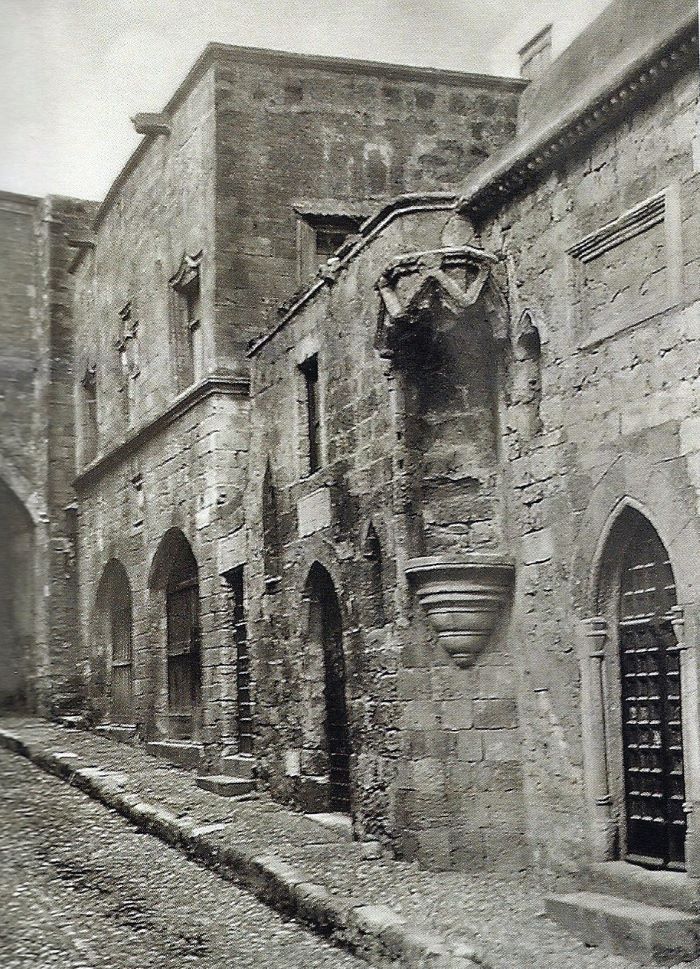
x=351, y=65
x=527, y=157
x=232, y=386
x=17, y=198
x=215, y=53
x=500, y=177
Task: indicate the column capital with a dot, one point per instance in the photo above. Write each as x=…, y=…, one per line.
x=676, y=615
x=595, y=631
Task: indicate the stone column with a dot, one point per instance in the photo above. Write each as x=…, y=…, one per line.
x=691, y=738
x=401, y=498
x=592, y=636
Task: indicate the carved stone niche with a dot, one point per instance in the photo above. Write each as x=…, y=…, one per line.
x=463, y=598
x=443, y=322
x=455, y=276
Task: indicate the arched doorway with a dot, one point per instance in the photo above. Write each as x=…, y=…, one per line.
x=326, y=632
x=17, y=591
x=175, y=571
x=114, y=616
x=641, y=587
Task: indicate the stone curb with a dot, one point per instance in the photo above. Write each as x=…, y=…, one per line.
x=374, y=932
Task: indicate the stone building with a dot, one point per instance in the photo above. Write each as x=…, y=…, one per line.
x=474, y=477
x=422, y=547
x=258, y=168
x=38, y=616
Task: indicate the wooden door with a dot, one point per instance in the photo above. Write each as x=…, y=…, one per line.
x=184, y=677
x=651, y=708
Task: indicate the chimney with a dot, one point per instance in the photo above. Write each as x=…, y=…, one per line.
x=536, y=55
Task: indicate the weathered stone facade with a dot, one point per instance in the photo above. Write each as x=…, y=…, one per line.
x=383, y=545
x=511, y=371
x=38, y=616
x=199, y=237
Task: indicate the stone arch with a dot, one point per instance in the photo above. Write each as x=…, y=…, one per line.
x=174, y=577
x=635, y=600
x=664, y=495
x=18, y=600
x=373, y=577
x=112, y=660
x=328, y=714
x=632, y=488
x=23, y=490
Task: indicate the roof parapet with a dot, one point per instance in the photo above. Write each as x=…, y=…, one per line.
x=511, y=170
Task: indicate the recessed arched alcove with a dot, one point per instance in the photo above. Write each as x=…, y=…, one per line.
x=174, y=578
x=17, y=593
x=111, y=661
x=328, y=708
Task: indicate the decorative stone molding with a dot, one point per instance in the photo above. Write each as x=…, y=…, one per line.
x=187, y=271
x=463, y=598
x=592, y=638
x=635, y=83
x=407, y=282
x=223, y=384
x=602, y=263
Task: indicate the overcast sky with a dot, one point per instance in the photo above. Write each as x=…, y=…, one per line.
x=72, y=72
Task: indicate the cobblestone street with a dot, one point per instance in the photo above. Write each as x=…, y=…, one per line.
x=82, y=889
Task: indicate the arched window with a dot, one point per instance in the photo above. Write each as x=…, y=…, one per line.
x=528, y=383
x=270, y=525
x=374, y=586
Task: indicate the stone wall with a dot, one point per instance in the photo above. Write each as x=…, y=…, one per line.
x=128, y=329
x=37, y=454
x=190, y=475
x=435, y=749
x=596, y=400
x=619, y=412
x=329, y=136
x=251, y=132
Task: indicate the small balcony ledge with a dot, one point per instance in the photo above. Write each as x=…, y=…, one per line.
x=463, y=597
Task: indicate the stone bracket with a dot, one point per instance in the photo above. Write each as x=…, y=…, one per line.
x=429, y=268
x=151, y=123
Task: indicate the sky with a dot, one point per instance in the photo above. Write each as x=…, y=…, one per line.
x=73, y=72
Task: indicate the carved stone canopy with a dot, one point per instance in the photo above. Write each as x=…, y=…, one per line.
x=456, y=276
x=188, y=270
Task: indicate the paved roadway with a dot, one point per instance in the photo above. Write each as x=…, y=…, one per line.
x=80, y=888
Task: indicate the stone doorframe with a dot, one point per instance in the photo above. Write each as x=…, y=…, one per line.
x=598, y=651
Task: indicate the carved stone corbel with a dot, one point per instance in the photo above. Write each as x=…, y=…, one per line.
x=406, y=283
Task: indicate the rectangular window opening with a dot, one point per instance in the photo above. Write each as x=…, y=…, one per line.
x=89, y=410
x=309, y=369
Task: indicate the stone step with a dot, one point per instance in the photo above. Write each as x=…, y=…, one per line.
x=225, y=785
x=181, y=753
x=238, y=765
x=124, y=733
x=670, y=889
x=629, y=928
x=340, y=824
